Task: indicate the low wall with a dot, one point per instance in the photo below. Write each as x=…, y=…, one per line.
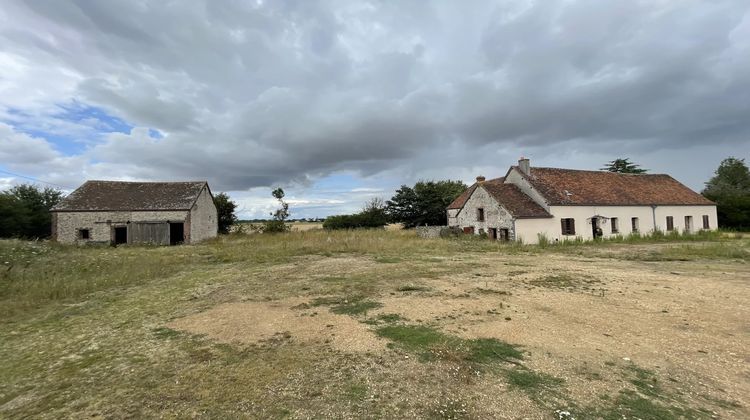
x=430, y=231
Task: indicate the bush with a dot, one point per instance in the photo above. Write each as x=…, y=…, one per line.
x=355, y=221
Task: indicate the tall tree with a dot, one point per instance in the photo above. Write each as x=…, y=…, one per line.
x=729, y=188
x=623, y=166
x=423, y=204
x=26, y=211
x=278, y=223
x=225, y=208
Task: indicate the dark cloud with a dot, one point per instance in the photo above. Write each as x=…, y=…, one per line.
x=251, y=94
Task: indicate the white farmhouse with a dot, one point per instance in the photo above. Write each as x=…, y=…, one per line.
x=559, y=204
x=163, y=213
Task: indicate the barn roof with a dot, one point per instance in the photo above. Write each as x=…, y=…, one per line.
x=507, y=195
x=571, y=187
x=132, y=196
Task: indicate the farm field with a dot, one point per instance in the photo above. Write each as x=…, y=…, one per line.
x=376, y=324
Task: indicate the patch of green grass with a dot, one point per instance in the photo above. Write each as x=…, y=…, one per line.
x=355, y=307
x=530, y=381
x=417, y=338
x=165, y=333
x=390, y=317
x=485, y=350
x=630, y=405
x=356, y=391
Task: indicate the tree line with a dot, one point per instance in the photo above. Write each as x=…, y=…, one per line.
x=25, y=209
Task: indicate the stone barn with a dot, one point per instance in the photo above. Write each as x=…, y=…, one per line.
x=115, y=212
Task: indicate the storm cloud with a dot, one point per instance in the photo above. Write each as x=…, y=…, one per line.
x=254, y=94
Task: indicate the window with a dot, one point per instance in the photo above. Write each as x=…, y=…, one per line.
x=615, y=225
x=634, y=224
x=670, y=223
x=480, y=215
x=706, y=225
x=83, y=233
x=688, y=223
x=568, y=226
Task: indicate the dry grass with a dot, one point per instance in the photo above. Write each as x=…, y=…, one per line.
x=376, y=324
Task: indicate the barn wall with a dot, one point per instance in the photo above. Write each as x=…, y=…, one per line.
x=204, y=221
x=495, y=216
x=68, y=223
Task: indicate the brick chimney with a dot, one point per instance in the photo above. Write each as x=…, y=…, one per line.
x=480, y=179
x=524, y=165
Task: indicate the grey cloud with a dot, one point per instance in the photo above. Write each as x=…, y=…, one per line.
x=253, y=94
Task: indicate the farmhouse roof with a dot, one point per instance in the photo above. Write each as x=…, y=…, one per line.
x=561, y=187
x=132, y=196
x=514, y=200
x=507, y=195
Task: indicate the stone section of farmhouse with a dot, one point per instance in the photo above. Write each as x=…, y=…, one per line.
x=528, y=204
x=116, y=212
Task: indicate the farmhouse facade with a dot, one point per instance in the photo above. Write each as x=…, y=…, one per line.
x=114, y=212
x=558, y=204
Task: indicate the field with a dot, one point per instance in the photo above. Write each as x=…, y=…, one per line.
x=376, y=324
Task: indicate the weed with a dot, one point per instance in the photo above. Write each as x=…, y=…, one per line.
x=387, y=260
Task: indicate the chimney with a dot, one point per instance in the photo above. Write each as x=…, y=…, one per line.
x=524, y=165
x=480, y=179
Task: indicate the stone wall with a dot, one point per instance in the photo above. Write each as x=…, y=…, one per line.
x=495, y=216
x=429, y=231
x=204, y=220
x=100, y=223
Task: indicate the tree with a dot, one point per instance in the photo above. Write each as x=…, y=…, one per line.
x=729, y=188
x=225, y=209
x=373, y=215
x=279, y=216
x=624, y=166
x=25, y=211
x=423, y=204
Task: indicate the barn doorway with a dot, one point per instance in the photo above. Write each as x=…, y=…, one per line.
x=176, y=233
x=492, y=233
x=121, y=235
x=504, y=235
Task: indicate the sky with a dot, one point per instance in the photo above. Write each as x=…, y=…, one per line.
x=338, y=102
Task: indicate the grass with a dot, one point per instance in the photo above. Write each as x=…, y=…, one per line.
x=530, y=381
x=83, y=330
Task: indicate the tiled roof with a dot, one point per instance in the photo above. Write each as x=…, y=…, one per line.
x=576, y=187
x=461, y=199
x=132, y=196
x=507, y=195
x=514, y=200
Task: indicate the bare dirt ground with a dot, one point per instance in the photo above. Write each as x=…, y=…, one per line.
x=377, y=324
x=582, y=320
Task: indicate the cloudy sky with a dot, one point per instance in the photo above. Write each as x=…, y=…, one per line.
x=341, y=101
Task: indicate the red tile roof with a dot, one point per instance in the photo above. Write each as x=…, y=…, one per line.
x=511, y=197
x=507, y=195
x=571, y=187
x=132, y=196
